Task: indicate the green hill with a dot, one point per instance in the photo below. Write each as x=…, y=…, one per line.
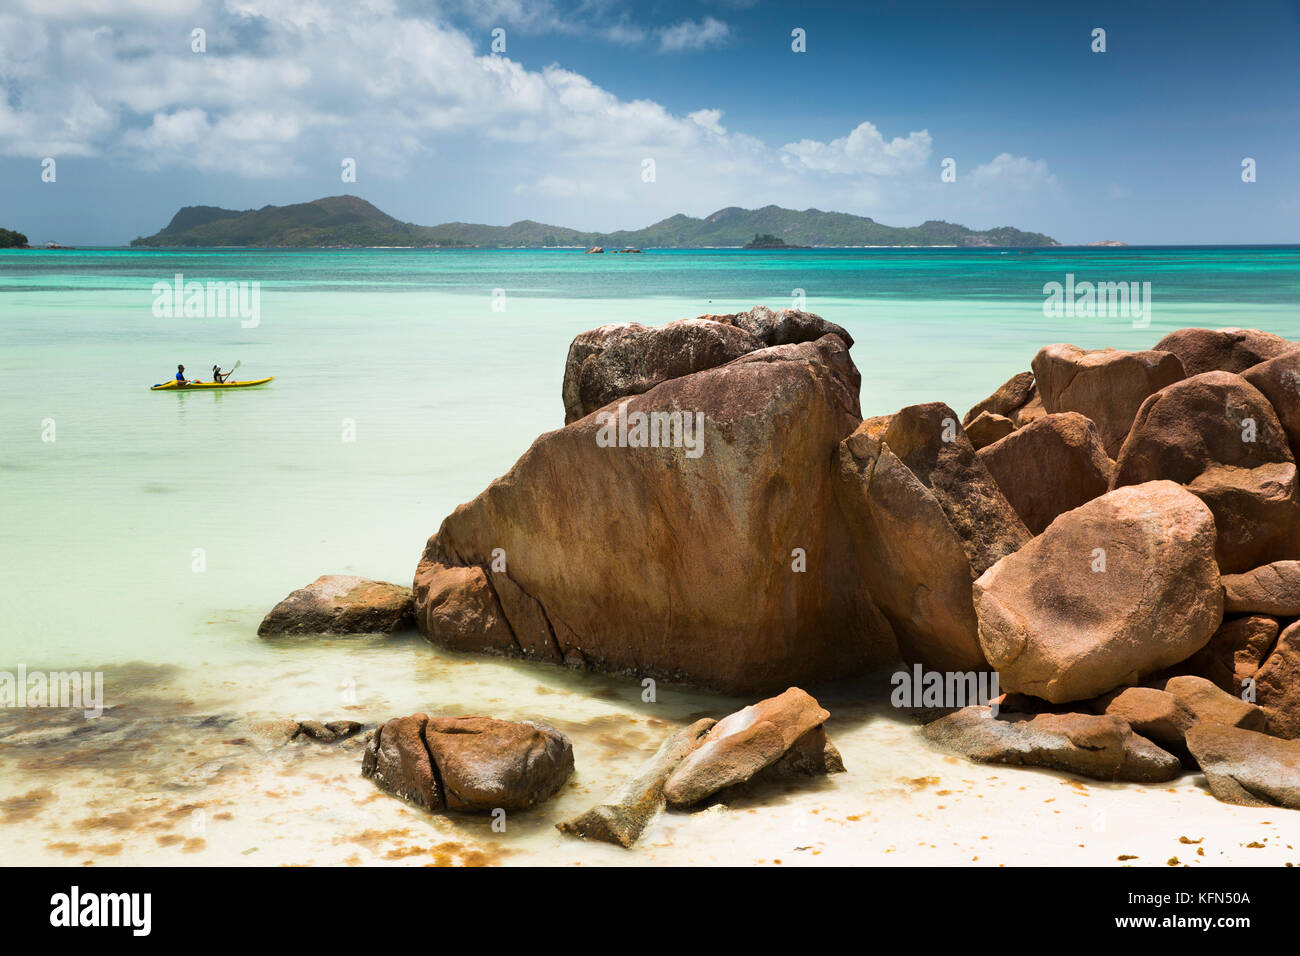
x=12, y=240
x=335, y=221
x=351, y=221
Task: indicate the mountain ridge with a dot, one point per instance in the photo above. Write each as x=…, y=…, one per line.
x=350, y=221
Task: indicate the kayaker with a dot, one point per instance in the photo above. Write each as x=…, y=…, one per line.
x=180, y=376
x=218, y=376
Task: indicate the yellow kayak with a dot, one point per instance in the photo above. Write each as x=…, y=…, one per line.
x=175, y=386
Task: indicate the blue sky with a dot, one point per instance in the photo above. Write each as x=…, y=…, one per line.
x=1142, y=143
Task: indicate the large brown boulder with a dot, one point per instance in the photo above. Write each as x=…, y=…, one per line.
x=1268, y=589
x=720, y=560
x=929, y=519
x=1211, y=418
x=1209, y=703
x=1277, y=685
x=627, y=358
x=1050, y=466
x=1092, y=745
x=1279, y=381
x=1222, y=350
x=468, y=764
x=1218, y=435
x=1105, y=385
x=341, y=604
x=1246, y=767
x=743, y=744
x=1256, y=511
x=1118, y=588
x=1011, y=396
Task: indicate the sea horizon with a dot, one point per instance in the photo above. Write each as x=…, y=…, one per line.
x=986, y=249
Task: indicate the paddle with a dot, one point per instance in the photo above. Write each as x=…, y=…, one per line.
x=238, y=362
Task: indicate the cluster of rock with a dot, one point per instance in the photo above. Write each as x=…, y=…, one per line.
x=484, y=765
x=1074, y=531
x=1105, y=520
x=1161, y=490
x=779, y=737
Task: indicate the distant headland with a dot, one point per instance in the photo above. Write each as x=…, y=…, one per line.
x=349, y=221
x=16, y=240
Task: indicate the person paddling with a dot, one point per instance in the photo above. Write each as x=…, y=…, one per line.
x=218, y=376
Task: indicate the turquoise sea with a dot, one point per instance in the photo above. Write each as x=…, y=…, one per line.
x=147, y=533
x=442, y=383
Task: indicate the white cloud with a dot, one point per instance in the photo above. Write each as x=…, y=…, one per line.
x=526, y=16
x=864, y=150
x=250, y=143
x=709, y=120
x=692, y=35
x=1017, y=172
x=291, y=87
x=603, y=19
x=623, y=33
x=571, y=187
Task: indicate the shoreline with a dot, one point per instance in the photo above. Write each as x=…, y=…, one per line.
x=900, y=803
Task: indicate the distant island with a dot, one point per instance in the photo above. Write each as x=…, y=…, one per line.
x=769, y=241
x=12, y=240
x=351, y=222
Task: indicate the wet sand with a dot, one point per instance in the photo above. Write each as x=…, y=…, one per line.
x=175, y=773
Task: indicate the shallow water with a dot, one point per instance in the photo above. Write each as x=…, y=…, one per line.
x=151, y=535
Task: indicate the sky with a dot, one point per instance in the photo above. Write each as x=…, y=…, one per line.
x=582, y=100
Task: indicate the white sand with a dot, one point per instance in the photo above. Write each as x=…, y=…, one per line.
x=181, y=793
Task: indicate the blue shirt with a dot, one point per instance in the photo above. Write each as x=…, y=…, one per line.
x=180, y=376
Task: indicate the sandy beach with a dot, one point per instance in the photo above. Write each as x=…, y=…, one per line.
x=173, y=774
